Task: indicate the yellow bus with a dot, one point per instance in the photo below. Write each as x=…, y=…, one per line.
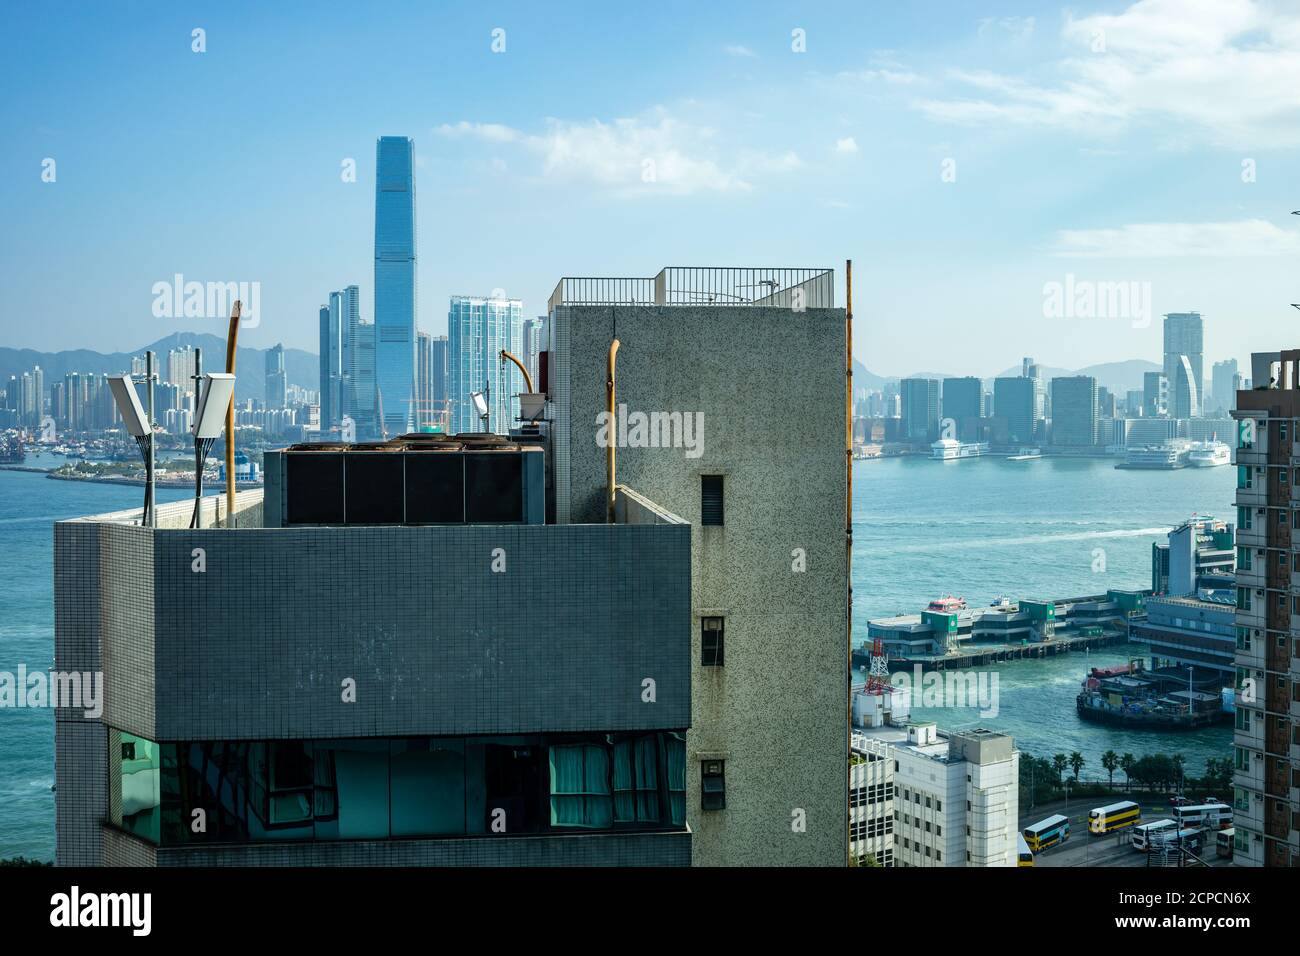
x=1024, y=855
x=1049, y=832
x=1116, y=816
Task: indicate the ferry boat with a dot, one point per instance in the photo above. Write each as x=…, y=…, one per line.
x=1157, y=457
x=1208, y=454
x=947, y=605
x=949, y=449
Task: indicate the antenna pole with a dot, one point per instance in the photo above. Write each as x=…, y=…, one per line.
x=232, y=336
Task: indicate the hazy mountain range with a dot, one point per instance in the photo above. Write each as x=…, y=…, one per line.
x=302, y=368
x=1119, y=377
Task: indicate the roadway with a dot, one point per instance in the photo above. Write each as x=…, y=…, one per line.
x=1107, y=849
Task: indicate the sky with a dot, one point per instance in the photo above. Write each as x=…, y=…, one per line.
x=1010, y=179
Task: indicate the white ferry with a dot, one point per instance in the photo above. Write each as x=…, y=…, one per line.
x=1208, y=454
x=949, y=449
x=1162, y=457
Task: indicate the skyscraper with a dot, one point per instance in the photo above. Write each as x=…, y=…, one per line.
x=438, y=353
x=1074, y=411
x=423, y=379
x=963, y=402
x=478, y=329
x=395, y=282
x=1224, y=381
x=1155, y=394
x=1014, y=400
x=1184, y=371
x=920, y=409
x=331, y=366
x=277, y=385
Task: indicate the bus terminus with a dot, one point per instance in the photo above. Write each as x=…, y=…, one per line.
x=1212, y=816
x=1049, y=832
x=1114, y=817
x=1024, y=855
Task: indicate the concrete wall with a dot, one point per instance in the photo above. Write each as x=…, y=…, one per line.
x=770, y=383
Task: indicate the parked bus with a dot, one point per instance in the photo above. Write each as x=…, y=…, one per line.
x=1114, y=817
x=1223, y=842
x=1047, y=833
x=1024, y=855
x=1188, y=839
x=1143, y=833
x=1212, y=816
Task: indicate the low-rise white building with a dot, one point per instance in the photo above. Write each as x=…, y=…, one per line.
x=871, y=802
x=955, y=795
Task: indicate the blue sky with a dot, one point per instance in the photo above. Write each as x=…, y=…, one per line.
x=962, y=154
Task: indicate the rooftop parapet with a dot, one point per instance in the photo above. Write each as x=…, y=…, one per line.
x=787, y=288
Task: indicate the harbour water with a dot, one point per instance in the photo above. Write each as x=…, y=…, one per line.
x=1050, y=528
x=977, y=528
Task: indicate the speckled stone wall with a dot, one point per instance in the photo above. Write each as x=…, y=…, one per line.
x=770, y=383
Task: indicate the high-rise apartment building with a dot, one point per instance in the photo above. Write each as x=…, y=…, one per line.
x=1184, y=363
x=395, y=283
x=920, y=409
x=1155, y=395
x=438, y=381
x=1266, y=742
x=1074, y=411
x=180, y=368
x=478, y=328
x=277, y=382
x=768, y=749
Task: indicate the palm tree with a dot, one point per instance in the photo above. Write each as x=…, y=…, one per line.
x=1076, y=763
x=1110, y=760
x=1127, y=763
x=1059, y=763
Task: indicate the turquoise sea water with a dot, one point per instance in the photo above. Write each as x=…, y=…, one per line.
x=922, y=529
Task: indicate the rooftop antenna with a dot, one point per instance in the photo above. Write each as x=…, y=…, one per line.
x=139, y=425
x=218, y=393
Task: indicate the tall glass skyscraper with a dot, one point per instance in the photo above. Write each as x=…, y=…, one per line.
x=478, y=329
x=1184, y=363
x=395, y=282
x=331, y=366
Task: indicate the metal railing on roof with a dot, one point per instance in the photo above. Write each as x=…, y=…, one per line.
x=701, y=285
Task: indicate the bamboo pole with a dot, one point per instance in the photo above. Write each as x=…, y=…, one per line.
x=232, y=338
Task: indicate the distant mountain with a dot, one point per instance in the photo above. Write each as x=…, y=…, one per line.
x=1119, y=377
x=302, y=368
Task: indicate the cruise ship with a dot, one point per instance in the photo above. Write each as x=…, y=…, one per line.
x=1208, y=454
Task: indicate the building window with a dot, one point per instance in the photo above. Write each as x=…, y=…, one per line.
x=580, y=791
x=711, y=500
x=713, y=785
x=711, y=641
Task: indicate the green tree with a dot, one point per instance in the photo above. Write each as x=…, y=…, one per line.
x=1059, y=763
x=1110, y=761
x=1076, y=763
x=1127, y=763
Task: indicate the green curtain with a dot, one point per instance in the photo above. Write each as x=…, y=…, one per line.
x=580, y=789
x=636, y=780
x=675, y=752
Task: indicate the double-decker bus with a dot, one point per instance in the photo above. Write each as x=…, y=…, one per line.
x=1212, y=816
x=1223, y=842
x=1186, y=839
x=1024, y=855
x=1116, y=816
x=1045, y=833
x=1145, y=833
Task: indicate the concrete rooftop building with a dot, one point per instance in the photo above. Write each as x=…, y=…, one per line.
x=752, y=362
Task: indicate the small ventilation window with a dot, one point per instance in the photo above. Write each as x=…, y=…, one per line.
x=711, y=503
x=711, y=643
x=713, y=785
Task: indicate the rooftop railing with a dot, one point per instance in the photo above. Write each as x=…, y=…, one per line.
x=709, y=286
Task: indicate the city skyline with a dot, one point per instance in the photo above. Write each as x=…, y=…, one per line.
x=982, y=92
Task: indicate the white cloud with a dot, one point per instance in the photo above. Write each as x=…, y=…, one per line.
x=639, y=155
x=1152, y=240
x=846, y=145
x=736, y=49
x=1228, y=70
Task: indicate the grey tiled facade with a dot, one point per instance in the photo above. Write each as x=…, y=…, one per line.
x=771, y=385
x=257, y=646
